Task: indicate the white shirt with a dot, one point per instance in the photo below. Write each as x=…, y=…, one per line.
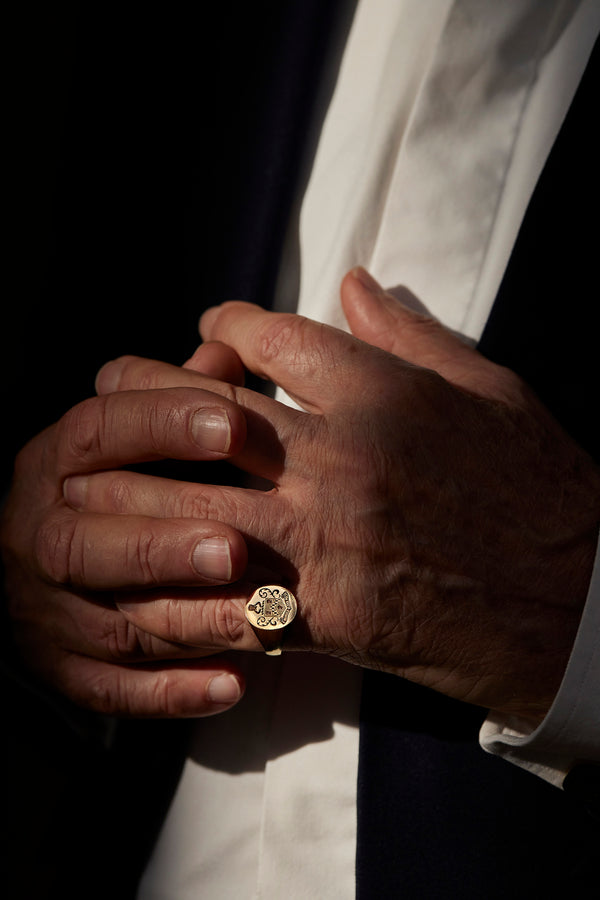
x=266, y=804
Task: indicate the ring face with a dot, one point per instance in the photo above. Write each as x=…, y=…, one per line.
x=271, y=607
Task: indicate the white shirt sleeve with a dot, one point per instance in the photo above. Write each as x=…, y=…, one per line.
x=570, y=733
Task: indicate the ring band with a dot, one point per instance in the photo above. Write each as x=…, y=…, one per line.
x=269, y=610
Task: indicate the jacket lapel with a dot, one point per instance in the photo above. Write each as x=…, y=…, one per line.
x=437, y=817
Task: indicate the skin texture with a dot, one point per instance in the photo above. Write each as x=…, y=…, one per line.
x=431, y=517
x=62, y=566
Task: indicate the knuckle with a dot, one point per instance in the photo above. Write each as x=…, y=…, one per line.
x=112, y=693
x=172, y=623
x=159, y=420
x=123, y=640
x=229, y=392
x=142, y=553
x=120, y=496
x=99, y=694
x=148, y=632
x=189, y=504
x=164, y=696
x=55, y=549
x=194, y=503
x=94, y=685
x=117, y=693
x=287, y=337
x=82, y=430
x=228, y=626
x=422, y=391
x=276, y=336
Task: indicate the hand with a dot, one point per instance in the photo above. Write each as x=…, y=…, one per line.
x=432, y=518
x=63, y=567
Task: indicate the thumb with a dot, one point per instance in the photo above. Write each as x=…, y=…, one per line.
x=391, y=322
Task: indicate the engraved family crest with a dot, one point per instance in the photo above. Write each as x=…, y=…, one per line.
x=271, y=607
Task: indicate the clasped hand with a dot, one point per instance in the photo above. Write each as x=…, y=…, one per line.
x=431, y=517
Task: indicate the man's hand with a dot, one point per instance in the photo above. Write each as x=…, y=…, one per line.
x=431, y=517
x=63, y=567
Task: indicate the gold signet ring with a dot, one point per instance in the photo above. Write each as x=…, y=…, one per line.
x=269, y=610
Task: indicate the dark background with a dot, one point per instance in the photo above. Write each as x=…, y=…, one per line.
x=137, y=147
x=152, y=159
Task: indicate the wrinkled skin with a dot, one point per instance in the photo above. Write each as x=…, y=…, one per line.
x=431, y=517
x=62, y=566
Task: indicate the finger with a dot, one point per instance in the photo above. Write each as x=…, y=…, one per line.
x=214, y=622
x=179, y=690
x=98, y=552
x=122, y=428
x=151, y=374
x=134, y=373
x=383, y=320
x=95, y=628
x=127, y=493
x=259, y=515
x=315, y=364
x=268, y=423
x=218, y=361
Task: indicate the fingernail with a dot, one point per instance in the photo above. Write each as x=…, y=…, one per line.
x=211, y=430
x=212, y=558
x=109, y=377
x=224, y=689
x=75, y=491
x=367, y=280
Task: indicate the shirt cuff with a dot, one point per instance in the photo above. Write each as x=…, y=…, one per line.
x=570, y=733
